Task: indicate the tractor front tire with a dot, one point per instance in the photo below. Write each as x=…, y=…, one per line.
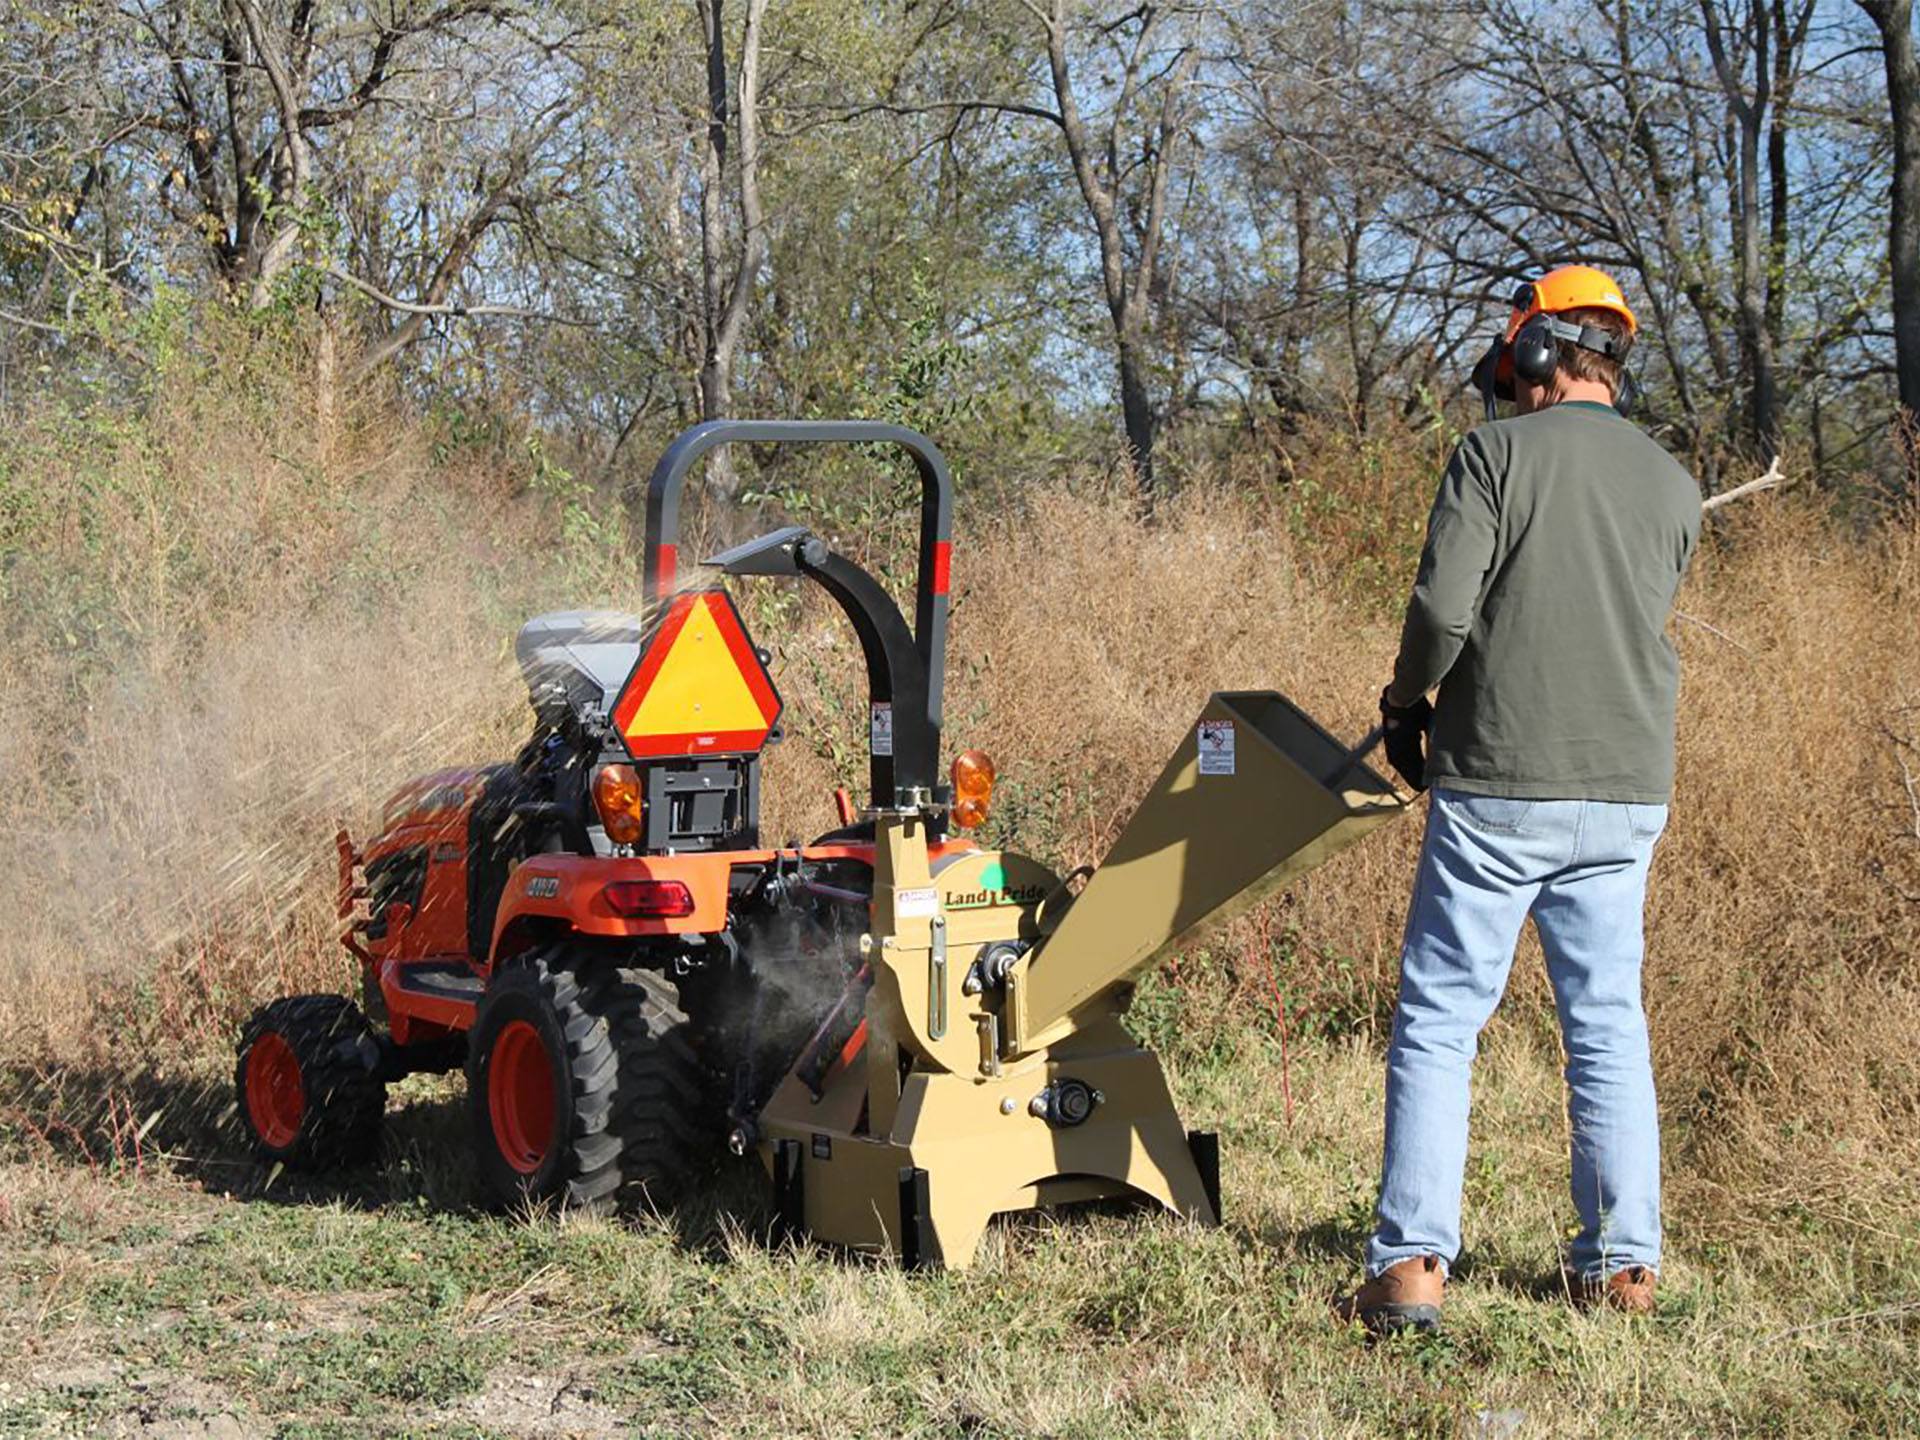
x=581, y=1084
x=308, y=1082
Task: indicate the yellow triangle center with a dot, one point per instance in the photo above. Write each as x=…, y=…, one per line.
x=698, y=689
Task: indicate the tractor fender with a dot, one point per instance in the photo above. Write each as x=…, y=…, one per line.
x=551, y=895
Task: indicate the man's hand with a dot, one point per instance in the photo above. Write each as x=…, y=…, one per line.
x=1404, y=738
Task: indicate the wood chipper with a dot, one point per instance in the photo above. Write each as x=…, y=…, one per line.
x=913, y=1033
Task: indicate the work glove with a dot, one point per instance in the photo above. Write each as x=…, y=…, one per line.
x=1404, y=737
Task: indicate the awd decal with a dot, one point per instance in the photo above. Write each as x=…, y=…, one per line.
x=543, y=887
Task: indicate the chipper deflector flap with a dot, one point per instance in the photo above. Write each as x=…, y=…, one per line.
x=997, y=1075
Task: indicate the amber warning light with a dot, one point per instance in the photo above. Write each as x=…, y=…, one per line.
x=618, y=798
x=972, y=777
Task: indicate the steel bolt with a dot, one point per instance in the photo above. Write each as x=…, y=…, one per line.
x=1009, y=1105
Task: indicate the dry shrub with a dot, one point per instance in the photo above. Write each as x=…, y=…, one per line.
x=1784, y=967
x=231, y=629
x=283, y=619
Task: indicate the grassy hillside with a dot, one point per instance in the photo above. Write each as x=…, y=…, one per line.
x=234, y=621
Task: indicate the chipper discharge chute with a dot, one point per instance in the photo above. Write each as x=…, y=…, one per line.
x=996, y=1074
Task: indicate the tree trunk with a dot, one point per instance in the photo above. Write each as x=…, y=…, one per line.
x=1136, y=409
x=728, y=290
x=326, y=388
x=1127, y=295
x=1894, y=20
x=292, y=165
x=1747, y=117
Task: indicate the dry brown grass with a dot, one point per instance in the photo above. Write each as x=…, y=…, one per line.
x=231, y=631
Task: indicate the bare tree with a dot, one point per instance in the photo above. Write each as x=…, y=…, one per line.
x=729, y=269
x=1124, y=178
x=267, y=134
x=1756, y=49
x=1894, y=20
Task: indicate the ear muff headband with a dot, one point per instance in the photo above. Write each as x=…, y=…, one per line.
x=1536, y=348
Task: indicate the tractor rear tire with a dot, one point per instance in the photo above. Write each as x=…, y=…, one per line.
x=308, y=1082
x=582, y=1085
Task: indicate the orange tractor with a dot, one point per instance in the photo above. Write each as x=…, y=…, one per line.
x=595, y=929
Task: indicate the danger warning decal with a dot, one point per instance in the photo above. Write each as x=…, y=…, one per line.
x=1216, y=747
x=699, y=689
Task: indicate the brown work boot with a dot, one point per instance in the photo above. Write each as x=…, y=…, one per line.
x=1628, y=1290
x=1405, y=1296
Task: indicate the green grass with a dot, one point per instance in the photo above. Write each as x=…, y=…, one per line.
x=387, y=1304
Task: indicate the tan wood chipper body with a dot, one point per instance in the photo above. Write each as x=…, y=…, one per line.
x=997, y=1074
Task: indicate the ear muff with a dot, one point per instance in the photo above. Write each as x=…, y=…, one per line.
x=1488, y=380
x=1536, y=353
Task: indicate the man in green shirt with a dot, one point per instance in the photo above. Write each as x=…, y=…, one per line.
x=1556, y=544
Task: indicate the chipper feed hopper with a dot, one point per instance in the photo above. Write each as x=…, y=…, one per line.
x=913, y=1032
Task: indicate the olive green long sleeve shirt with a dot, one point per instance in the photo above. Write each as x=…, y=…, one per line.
x=1555, y=547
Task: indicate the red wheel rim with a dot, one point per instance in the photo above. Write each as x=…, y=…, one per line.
x=520, y=1096
x=276, y=1100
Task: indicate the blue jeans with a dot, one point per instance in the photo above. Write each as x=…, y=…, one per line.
x=1579, y=867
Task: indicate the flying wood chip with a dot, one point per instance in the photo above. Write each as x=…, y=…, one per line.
x=700, y=689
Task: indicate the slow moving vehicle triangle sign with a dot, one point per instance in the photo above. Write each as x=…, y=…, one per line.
x=699, y=689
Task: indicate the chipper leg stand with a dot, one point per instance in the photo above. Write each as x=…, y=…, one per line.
x=996, y=1074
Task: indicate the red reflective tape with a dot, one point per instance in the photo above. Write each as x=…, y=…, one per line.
x=666, y=567
x=942, y=566
x=856, y=1042
x=710, y=742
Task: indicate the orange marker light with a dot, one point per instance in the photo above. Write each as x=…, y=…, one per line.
x=622, y=806
x=972, y=776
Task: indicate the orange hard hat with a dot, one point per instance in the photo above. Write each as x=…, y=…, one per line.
x=1570, y=287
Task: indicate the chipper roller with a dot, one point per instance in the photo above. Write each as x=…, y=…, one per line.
x=913, y=1033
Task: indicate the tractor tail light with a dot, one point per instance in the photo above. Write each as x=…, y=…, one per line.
x=621, y=802
x=649, y=899
x=972, y=776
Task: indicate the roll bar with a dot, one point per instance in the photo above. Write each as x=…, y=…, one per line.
x=661, y=561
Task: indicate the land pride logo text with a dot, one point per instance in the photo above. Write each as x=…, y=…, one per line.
x=993, y=889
